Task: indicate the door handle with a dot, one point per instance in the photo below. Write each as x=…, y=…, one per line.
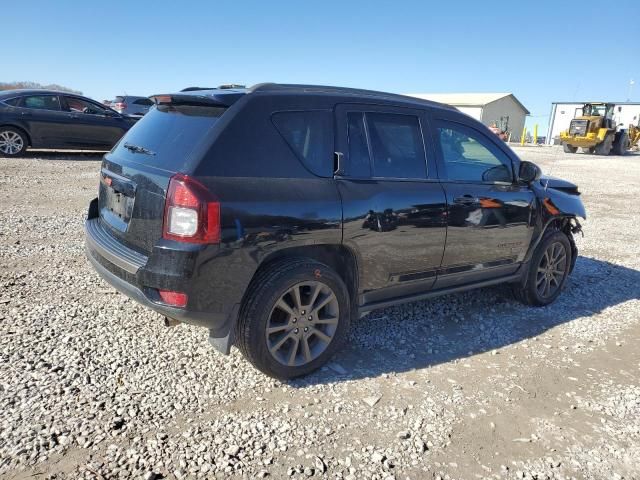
x=466, y=200
x=25, y=114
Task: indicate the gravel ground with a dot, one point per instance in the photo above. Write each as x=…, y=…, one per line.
x=466, y=386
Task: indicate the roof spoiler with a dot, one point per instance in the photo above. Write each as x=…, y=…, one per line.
x=195, y=97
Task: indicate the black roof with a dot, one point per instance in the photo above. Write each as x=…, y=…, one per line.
x=34, y=91
x=229, y=95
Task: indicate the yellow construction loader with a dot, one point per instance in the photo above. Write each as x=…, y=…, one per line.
x=634, y=136
x=595, y=131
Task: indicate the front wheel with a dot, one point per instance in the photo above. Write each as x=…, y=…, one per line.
x=295, y=319
x=548, y=270
x=13, y=142
x=621, y=143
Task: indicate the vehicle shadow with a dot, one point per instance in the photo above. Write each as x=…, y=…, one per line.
x=74, y=155
x=424, y=334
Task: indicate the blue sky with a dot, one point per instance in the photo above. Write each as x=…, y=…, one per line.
x=541, y=51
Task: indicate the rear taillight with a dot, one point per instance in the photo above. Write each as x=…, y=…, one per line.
x=191, y=212
x=120, y=106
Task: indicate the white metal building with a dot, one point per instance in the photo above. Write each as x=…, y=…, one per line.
x=489, y=108
x=563, y=112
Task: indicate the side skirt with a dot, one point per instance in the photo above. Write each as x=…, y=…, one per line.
x=444, y=291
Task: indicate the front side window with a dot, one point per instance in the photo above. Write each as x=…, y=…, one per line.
x=310, y=136
x=77, y=105
x=42, y=102
x=396, y=145
x=468, y=156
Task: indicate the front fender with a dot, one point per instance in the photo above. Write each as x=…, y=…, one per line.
x=557, y=203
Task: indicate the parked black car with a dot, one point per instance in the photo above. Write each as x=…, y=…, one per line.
x=276, y=214
x=50, y=119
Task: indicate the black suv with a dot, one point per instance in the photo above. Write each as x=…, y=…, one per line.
x=275, y=215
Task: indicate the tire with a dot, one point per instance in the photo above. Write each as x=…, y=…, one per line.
x=604, y=147
x=271, y=304
x=529, y=293
x=620, y=144
x=568, y=148
x=13, y=142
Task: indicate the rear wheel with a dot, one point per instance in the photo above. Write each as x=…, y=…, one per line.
x=621, y=143
x=548, y=270
x=295, y=319
x=13, y=142
x=568, y=148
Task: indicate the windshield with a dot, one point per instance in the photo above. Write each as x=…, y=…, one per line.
x=167, y=135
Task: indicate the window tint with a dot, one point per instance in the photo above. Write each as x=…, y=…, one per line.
x=171, y=133
x=396, y=144
x=42, y=102
x=310, y=136
x=143, y=101
x=469, y=157
x=77, y=105
x=13, y=101
x=358, y=163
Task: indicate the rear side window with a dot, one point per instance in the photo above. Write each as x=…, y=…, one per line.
x=170, y=133
x=310, y=136
x=13, y=101
x=143, y=101
x=42, y=102
x=396, y=146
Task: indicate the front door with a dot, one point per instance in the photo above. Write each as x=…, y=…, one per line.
x=489, y=213
x=394, y=208
x=89, y=124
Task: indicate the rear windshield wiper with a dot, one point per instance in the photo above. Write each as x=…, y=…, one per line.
x=137, y=149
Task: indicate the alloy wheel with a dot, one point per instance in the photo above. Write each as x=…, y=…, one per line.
x=551, y=270
x=302, y=323
x=10, y=142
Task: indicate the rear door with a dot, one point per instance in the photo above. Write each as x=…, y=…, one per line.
x=46, y=123
x=489, y=213
x=90, y=125
x=394, y=207
x=136, y=173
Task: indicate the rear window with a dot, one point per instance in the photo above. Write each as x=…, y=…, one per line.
x=143, y=101
x=170, y=133
x=310, y=136
x=118, y=100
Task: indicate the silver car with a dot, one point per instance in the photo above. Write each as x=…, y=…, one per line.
x=131, y=105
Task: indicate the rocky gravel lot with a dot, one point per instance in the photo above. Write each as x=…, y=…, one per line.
x=466, y=386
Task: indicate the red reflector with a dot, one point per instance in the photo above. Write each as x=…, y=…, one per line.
x=176, y=299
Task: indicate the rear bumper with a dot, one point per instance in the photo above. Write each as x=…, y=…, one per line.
x=139, y=277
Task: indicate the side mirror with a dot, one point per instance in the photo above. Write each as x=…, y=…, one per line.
x=529, y=172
